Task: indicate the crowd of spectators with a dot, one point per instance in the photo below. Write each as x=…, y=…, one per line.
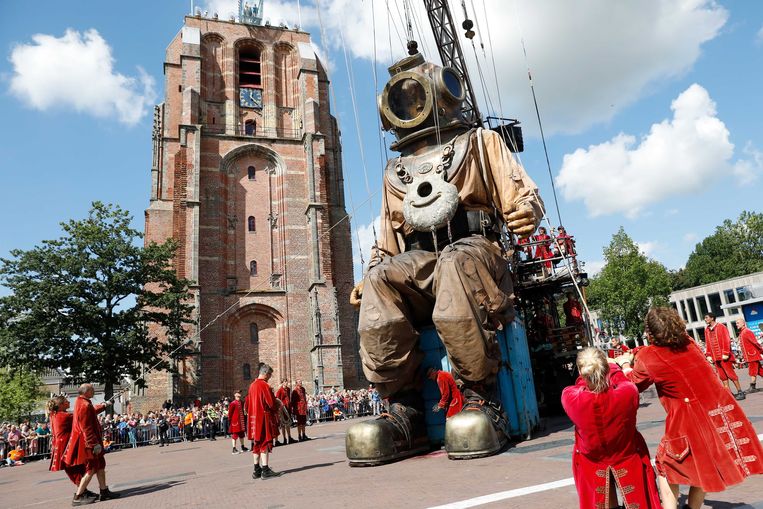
x=175, y=423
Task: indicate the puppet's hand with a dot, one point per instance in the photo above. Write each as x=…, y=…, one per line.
x=521, y=222
x=357, y=294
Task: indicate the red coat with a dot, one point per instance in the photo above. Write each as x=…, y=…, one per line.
x=606, y=441
x=299, y=401
x=451, y=398
x=60, y=431
x=718, y=342
x=751, y=349
x=261, y=408
x=620, y=349
x=708, y=441
x=86, y=433
x=565, y=242
x=543, y=250
x=573, y=311
x=284, y=395
x=236, y=420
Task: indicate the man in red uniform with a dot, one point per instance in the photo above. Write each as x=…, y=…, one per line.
x=617, y=347
x=573, y=311
x=284, y=395
x=85, y=448
x=751, y=350
x=237, y=423
x=299, y=409
x=450, y=397
x=718, y=352
x=262, y=408
x=543, y=248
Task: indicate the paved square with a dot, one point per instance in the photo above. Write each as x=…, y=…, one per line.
x=316, y=475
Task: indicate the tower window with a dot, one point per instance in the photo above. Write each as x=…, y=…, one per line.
x=247, y=371
x=253, y=268
x=251, y=173
x=252, y=226
x=249, y=68
x=254, y=333
x=250, y=128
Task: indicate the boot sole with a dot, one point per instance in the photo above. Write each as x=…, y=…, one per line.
x=374, y=462
x=470, y=455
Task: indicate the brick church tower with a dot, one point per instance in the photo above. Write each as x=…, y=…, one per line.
x=247, y=178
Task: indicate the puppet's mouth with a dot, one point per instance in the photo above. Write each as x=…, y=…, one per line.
x=426, y=203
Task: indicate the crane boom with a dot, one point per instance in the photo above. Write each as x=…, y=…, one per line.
x=451, y=55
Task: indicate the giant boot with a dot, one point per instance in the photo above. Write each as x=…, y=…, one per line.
x=480, y=429
x=397, y=434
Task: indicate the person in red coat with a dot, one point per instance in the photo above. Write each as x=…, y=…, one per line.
x=616, y=347
x=450, y=397
x=610, y=455
x=751, y=350
x=237, y=422
x=573, y=311
x=299, y=409
x=709, y=443
x=284, y=396
x=85, y=448
x=543, y=247
x=61, y=429
x=262, y=408
x=718, y=351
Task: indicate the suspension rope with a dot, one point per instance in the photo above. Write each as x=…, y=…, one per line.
x=382, y=139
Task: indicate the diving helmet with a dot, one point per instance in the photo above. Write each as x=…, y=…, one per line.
x=421, y=95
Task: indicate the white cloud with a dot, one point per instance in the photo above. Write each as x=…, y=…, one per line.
x=748, y=170
x=690, y=237
x=671, y=212
x=588, y=63
x=77, y=71
x=363, y=240
x=678, y=156
x=648, y=247
x=593, y=267
x=759, y=36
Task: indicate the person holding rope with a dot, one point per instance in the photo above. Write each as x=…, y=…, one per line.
x=718, y=352
x=751, y=350
x=61, y=429
x=85, y=448
x=237, y=422
x=262, y=408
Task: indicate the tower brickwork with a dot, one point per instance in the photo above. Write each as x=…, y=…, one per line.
x=247, y=178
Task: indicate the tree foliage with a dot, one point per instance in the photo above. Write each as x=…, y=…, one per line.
x=19, y=393
x=93, y=303
x=628, y=285
x=735, y=249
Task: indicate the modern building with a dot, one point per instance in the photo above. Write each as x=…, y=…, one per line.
x=247, y=178
x=723, y=299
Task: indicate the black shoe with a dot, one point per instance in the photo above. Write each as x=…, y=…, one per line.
x=268, y=473
x=235, y=451
x=84, y=499
x=739, y=396
x=292, y=441
x=305, y=438
x=752, y=389
x=107, y=494
x=161, y=445
x=257, y=472
x=213, y=439
x=277, y=443
x=244, y=449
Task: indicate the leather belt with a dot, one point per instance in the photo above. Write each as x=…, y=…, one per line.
x=463, y=224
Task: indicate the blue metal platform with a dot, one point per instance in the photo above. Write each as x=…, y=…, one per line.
x=515, y=381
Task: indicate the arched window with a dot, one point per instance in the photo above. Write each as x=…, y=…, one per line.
x=251, y=173
x=253, y=268
x=247, y=369
x=249, y=70
x=254, y=333
x=250, y=128
x=252, y=225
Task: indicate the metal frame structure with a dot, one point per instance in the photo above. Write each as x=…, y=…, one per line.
x=451, y=55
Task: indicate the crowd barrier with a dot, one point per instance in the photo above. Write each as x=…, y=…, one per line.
x=116, y=438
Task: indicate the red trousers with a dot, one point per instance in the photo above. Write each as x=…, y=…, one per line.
x=755, y=368
x=725, y=370
x=75, y=473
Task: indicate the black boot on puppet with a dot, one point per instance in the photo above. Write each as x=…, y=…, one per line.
x=481, y=427
x=394, y=435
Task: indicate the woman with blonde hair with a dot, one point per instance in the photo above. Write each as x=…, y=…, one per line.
x=709, y=443
x=610, y=455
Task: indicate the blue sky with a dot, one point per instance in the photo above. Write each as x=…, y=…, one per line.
x=651, y=109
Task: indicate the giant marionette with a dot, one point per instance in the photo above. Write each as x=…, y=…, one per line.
x=438, y=260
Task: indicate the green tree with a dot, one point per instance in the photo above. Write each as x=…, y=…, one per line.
x=19, y=393
x=735, y=249
x=628, y=285
x=93, y=303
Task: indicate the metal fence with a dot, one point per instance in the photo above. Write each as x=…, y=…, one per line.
x=125, y=437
